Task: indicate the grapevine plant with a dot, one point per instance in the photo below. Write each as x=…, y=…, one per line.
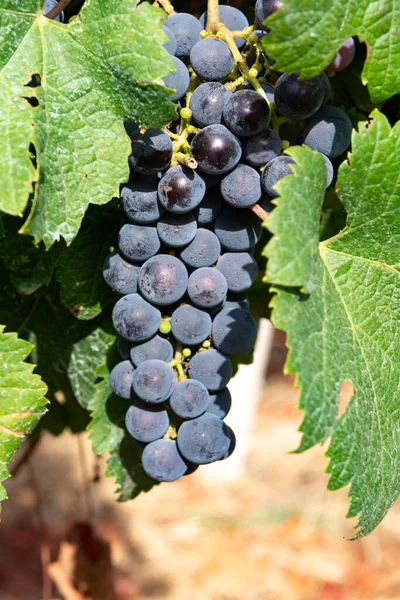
x=166, y=180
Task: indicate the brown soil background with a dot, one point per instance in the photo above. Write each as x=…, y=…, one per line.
x=277, y=534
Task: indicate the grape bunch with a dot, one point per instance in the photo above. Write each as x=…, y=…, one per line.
x=191, y=220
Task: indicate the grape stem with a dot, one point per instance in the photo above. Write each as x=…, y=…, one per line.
x=221, y=31
x=260, y=212
x=166, y=5
x=57, y=10
x=178, y=359
x=213, y=16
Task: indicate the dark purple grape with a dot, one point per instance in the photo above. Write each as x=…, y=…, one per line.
x=177, y=230
x=151, y=151
x=299, y=99
x=234, y=332
x=264, y=9
x=120, y=275
x=212, y=368
x=259, y=149
x=203, y=251
x=233, y=19
x=274, y=171
x=139, y=201
x=343, y=57
x=220, y=403
x=189, y=399
x=329, y=131
x=239, y=269
x=238, y=229
x=181, y=189
x=216, y=149
x=203, y=440
x=163, y=279
x=121, y=379
x=146, y=422
x=135, y=319
x=171, y=45
x=162, y=461
x=153, y=381
x=241, y=187
x=138, y=242
x=211, y=59
x=178, y=80
x=189, y=325
x=246, y=113
x=207, y=288
x=157, y=347
x=207, y=103
x=186, y=29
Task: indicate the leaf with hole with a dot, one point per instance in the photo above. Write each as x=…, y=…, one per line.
x=339, y=301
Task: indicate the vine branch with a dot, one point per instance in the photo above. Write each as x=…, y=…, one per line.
x=57, y=10
x=213, y=16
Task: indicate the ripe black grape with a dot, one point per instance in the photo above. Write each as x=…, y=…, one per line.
x=146, y=422
x=135, y=319
x=153, y=381
x=157, y=347
x=211, y=59
x=190, y=399
x=186, y=29
x=246, y=113
x=241, y=187
x=163, y=279
x=189, y=325
x=151, y=151
x=203, y=440
x=207, y=288
x=234, y=332
x=121, y=379
x=299, y=99
x=203, y=251
x=216, y=149
x=212, y=368
x=139, y=201
x=162, y=461
x=181, y=189
x=121, y=275
x=207, y=103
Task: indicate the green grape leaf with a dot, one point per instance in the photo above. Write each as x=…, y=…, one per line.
x=87, y=355
x=79, y=270
x=29, y=265
x=108, y=434
x=22, y=401
x=64, y=92
x=339, y=301
x=306, y=35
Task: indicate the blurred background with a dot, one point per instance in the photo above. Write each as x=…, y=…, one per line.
x=265, y=529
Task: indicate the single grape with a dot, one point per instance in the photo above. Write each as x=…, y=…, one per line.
x=139, y=201
x=343, y=57
x=237, y=229
x=135, y=319
x=138, y=242
x=259, y=149
x=220, y=403
x=207, y=103
x=234, y=332
x=181, y=189
x=203, y=251
x=124, y=348
x=171, y=45
x=186, y=29
x=151, y=151
x=189, y=399
x=232, y=18
x=161, y=461
x=209, y=208
x=264, y=9
x=146, y=422
x=238, y=300
x=329, y=131
x=120, y=275
x=246, y=113
x=203, y=440
x=207, y=288
x=157, y=347
x=163, y=279
x=211, y=59
x=299, y=99
x=177, y=230
x=189, y=325
x=212, y=368
x=241, y=187
x=274, y=171
x=178, y=80
x=121, y=379
x=153, y=381
x=216, y=149
x=239, y=269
